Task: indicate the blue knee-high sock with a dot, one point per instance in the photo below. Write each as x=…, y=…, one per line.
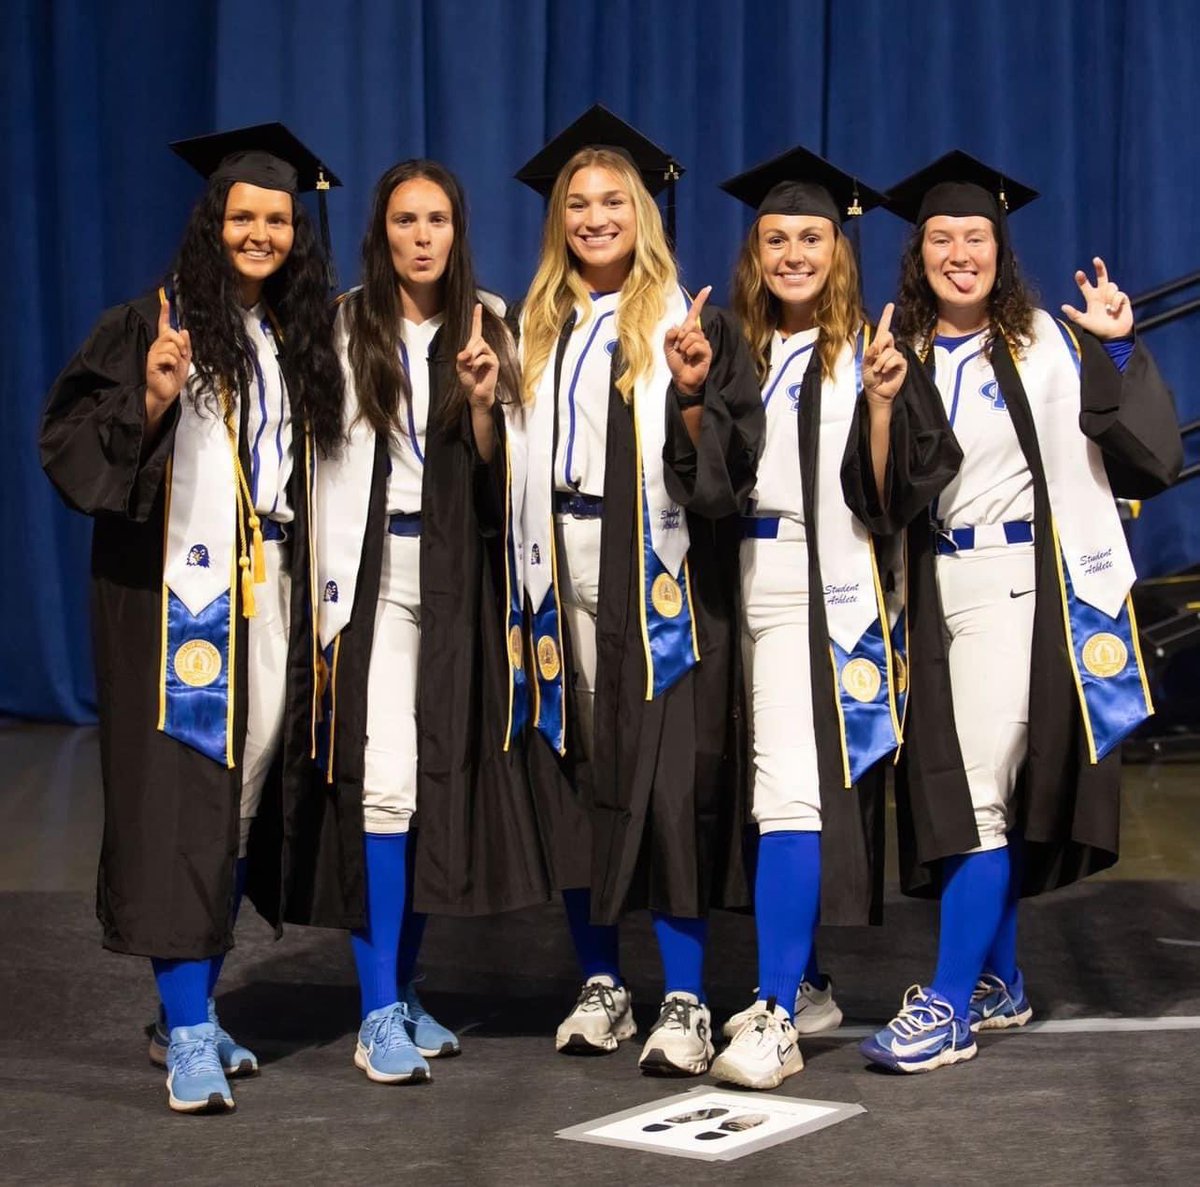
x=681, y=945
x=183, y=988
x=787, y=891
x=376, y=945
x=412, y=932
x=217, y=963
x=1002, y=956
x=974, y=891
x=597, y=945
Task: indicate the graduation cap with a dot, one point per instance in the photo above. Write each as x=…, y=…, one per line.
x=266, y=155
x=959, y=185
x=800, y=182
x=599, y=128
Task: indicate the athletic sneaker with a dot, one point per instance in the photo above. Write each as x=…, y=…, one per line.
x=815, y=1011
x=235, y=1059
x=195, y=1079
x=764, y=1052
x=680, y=1042
x=997, y=1006
x=602, y=1017
x=385, y=1051
x=926, y=1034
x=431, y=1037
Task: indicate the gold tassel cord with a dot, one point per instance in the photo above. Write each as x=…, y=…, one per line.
x=256, y=573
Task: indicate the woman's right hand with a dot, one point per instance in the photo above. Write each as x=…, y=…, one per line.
x=167, y=365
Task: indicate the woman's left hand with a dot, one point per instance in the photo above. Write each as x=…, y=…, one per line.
x=1108, y=313
x=478, y=366
x=689, y=352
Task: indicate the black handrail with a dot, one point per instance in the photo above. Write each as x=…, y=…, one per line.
x=1165, y=290
x=1168, y=315
x=1188, y=472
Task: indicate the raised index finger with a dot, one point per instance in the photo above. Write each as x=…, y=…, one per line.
x=477, y=320
x=885, y=321
x=693, y=315
x=164, y=319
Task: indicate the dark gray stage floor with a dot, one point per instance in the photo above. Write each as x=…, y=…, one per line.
x=80, y=1103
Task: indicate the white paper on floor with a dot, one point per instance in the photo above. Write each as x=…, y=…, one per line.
x=712, y=1125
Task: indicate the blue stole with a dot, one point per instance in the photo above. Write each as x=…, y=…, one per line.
x=518, y=678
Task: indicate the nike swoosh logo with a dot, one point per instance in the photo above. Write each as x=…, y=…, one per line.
x=899, y=1048
x=1012, y=593
x=784, y=1052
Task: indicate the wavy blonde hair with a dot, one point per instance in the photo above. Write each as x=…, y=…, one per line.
x=839, y=313
x=557, y=287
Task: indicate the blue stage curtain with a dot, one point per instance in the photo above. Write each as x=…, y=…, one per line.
x=1090, y=101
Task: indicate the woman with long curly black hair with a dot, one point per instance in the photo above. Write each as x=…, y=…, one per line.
x=1025, y=673
x=186, y=425
x=418, y=800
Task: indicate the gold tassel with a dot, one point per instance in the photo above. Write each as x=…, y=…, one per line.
x=249, y=610
x=260, y=558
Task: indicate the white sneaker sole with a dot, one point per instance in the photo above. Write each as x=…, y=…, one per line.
x=362, y=1062
x=655, y=1061
x=215, y=1103
x=571, y=1041
x=761, y=1080
x=1003, y=1022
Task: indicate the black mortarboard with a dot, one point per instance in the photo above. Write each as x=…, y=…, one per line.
x=800, y=182
x=599, y=128
x=266, y=155
x=959, y=185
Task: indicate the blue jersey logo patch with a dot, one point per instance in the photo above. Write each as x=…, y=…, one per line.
x=994, y=396
x=610, y=346
x=793, y=395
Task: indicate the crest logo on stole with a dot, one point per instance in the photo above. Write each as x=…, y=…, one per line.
x=665, y=596
x=197, y=556
x=547, y=657
x=1105, y=655
x=862, y=680
x=330, y=593
x=197, y=663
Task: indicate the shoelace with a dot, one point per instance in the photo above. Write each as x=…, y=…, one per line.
x=919, y=1014
x=391, y=1033
x=196, y=1056
x=987, y=984
x=676, y=1015
x=599, y=995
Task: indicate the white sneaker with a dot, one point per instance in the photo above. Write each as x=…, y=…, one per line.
x=814, y=1011
x=764, y=1052
x=680, y=1042
x=602, y=1017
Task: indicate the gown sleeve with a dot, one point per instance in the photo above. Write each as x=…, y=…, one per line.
x=92, y=439
x=714, y=477
x=923, y=455
x=1131, y=415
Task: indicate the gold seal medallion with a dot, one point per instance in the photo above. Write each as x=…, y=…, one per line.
x=197, y=663
x=547, y=657
x=665, y=596
x=516, y=649
x=900, y=668
x=1104, y=655
x=861, y=679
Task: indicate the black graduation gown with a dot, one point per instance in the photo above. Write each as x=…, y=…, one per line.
x=171, y=831
x=654, y=819
x=476, y=848
x=1066, y=807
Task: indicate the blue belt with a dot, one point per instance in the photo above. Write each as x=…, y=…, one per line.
x=405, y=523
x=272, y=529
x=580, y=506
x=759, y=527
x=951, y=540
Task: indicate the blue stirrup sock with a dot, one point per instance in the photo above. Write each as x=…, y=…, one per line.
x=597, y=946
x=1002, y=957
x=681, y=945
x=412, y=932
x=183, y=988
x=216, y=963
x=376, y=946
x=974, y=894
x=787, y=895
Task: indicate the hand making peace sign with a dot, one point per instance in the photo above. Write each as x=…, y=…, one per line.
x=883, y=367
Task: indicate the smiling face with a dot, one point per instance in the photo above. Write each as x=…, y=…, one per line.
x=257, y=233
x=959, y=255
x=601, y=226
x=420, y=232
x=795, y=252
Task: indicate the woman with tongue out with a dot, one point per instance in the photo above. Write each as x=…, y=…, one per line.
x=634, y=447
x=810, y=596
x=1025, y=672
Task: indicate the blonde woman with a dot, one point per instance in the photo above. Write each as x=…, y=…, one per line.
x=635, y=445
x=819, y=728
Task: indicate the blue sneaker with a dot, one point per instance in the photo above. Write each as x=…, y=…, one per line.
x=195, y=1079
x=384, y=1050
x=235, y=1059
x=431, y=1037
x=997, y=1006
x=925, y=1035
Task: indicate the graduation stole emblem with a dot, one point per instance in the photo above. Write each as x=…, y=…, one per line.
x=212, y=544
x=868, y=666
x=1095, y=572
x=666, y=619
